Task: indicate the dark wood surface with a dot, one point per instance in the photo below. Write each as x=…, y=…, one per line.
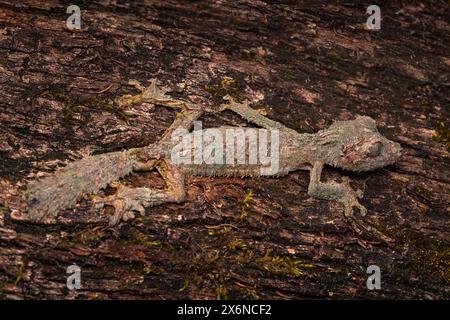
x=303, y=63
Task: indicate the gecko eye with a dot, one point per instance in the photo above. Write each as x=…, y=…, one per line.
x=34, y=201
x=375, y=150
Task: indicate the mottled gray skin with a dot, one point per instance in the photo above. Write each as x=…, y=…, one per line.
x=354, y=145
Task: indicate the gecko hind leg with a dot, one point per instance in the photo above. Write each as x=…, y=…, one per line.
x=126, y=201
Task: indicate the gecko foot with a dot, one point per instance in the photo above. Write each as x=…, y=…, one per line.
x=125, y=205
x=333, y=190
x=151, y=93
x=128, y=201
x=155, y=94
x=350, y=199
x=232, y=103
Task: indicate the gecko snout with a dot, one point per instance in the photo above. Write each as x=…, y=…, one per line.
x=394, y=151
x=398, y=149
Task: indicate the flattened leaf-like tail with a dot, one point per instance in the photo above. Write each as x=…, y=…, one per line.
x=47, y=196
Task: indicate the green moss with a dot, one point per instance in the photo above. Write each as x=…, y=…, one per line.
x=246, y=202
x=236, y=245
x=186, y=283
x=3, y=209
x=433, y=259
x=221, y=291
x=244, y=257
x=429, y=256
x=69, y=106
x=141, y=238
x=226, y=86
x=442, y=135
x=270, y=263
x=91, y=235
x=152, y=269
x=281, y=265
x=21, y=270
x=396, y=232
x=191, y=278
x=227, y=240
x=215, y=261
x=61, y=97
x=150, y=243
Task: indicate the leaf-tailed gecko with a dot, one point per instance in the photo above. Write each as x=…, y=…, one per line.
x=354, y=145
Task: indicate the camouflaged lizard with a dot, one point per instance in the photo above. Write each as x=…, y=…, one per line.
x=354, y=145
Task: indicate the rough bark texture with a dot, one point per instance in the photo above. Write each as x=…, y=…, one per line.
x=304, y=63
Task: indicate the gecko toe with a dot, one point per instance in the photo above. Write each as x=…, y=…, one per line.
x=362, y=210
x=125, y=208
x=359, y=193
x=118, y=212
x=128, y=216
x=348, y=210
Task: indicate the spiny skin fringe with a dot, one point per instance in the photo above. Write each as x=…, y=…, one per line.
x=229, y=173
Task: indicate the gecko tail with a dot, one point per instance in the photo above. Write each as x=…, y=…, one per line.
x=47, y=196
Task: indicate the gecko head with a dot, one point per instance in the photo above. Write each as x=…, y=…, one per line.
x=39, y=200
x=360, y=147
x=36, y=207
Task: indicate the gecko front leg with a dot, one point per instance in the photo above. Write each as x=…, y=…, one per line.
x=341, y=192
x=126, y=201
x=251, y=115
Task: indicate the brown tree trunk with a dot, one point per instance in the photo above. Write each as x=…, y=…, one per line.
x=308, y=63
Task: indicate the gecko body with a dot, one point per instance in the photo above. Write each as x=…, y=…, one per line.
x=354, y=145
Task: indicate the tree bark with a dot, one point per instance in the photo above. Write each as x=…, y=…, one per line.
x=305, y=64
